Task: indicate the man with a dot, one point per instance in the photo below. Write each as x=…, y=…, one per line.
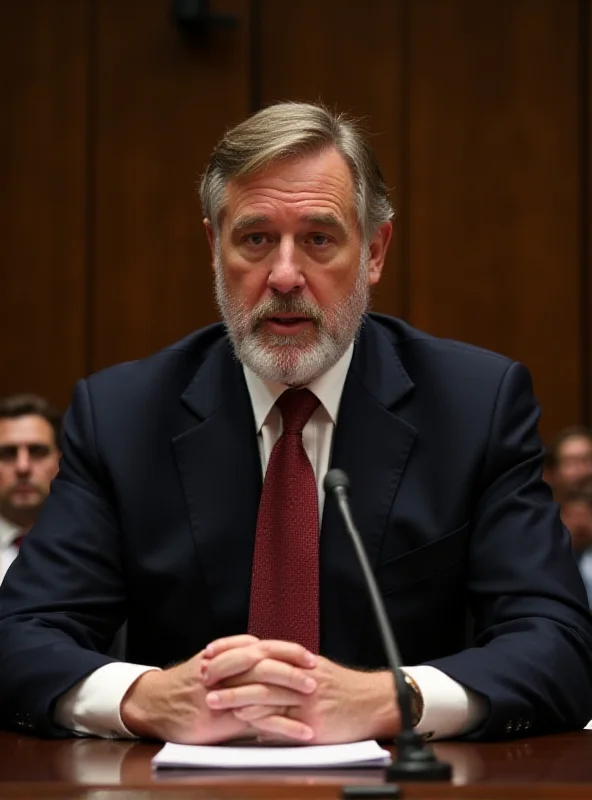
x=576, y=513
x=190, y=499
x=29, y=456
x=569, y=461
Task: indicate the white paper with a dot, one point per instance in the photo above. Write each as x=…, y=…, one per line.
x=356, y=754
x=588, y=727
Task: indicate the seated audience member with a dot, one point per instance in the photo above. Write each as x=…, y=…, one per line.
x=190, y=499
x=576, y=513
x=30, y=431
x=569, y=461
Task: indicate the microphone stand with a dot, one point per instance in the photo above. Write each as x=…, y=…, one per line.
x=415, y=761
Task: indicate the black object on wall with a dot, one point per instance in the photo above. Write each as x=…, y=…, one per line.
x=194, y=16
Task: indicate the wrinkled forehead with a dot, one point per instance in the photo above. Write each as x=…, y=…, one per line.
x=28, y=429
x=318, y=183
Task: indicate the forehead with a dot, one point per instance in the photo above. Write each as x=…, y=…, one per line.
x=314, y=182
x=575, y=445
x=25, y=430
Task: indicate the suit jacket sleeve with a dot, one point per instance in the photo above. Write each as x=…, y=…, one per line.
x=532, y=653
x=73, y=554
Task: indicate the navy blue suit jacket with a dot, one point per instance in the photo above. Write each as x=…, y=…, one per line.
x=152, y=518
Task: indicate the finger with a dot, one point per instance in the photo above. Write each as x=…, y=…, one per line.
x=253, y=694
x=276, y=725
x=229, y=643
x=238, y=660
x=290, y=652
x=249, y=713
x=271, y=673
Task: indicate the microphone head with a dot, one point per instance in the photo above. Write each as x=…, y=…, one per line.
x=335, y=479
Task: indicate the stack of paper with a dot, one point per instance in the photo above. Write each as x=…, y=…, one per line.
x=356, y=754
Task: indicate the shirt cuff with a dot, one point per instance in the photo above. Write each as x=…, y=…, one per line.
x=449, y=709
x=92, y=706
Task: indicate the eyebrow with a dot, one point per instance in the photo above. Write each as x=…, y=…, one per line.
x=250, y=221
x=326, y=220
x=256, y=220
x=12, y=448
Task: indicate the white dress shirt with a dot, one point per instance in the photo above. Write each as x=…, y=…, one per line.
x=585, y=567
x=93, y=705
x=8, y=552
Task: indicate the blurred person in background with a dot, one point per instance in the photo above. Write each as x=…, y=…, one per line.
x=576, y=513
x=569, y=461
x=30, y=431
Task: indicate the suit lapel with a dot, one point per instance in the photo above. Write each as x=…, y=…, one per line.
x=372, y=445
x=220, y=471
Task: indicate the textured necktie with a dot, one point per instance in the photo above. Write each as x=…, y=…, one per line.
x=285, y=578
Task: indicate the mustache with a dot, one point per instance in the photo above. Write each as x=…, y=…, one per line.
x=23, y=485
x=286, y=305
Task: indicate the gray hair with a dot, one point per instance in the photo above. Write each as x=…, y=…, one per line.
x=291, y=129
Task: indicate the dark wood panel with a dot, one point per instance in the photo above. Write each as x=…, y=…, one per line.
x=493, y=176
x=43, y=68
x=347, y=55
x=162, y=102
x=586, y=217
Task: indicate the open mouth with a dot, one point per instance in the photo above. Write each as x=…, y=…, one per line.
x=288, y=320
x=289, y=325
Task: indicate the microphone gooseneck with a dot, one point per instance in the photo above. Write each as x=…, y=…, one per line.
x=415, y=761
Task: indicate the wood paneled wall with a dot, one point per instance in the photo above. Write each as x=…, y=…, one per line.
x=44, y=200
x=480, y=117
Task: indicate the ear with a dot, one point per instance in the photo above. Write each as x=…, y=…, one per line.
x=211, y=234
x=378, y=247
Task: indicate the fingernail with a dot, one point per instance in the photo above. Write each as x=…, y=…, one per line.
x=310, y=684
x=306, y=733
x=210, y=650
x=213, y=699
x=310, y=659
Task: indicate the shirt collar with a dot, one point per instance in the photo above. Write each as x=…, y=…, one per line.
x=328, y=387
x=8, y=532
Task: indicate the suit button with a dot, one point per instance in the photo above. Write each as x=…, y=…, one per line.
x=518, y=725
x=527, y=724
x=509, y=727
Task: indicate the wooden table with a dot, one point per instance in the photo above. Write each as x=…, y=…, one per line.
x=545, y=767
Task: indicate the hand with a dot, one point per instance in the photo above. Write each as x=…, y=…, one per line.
x=275, y=698
x=270, y=675
x=170, y=705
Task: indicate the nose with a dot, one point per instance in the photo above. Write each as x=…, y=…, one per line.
x=285, y=274
x=23, y=461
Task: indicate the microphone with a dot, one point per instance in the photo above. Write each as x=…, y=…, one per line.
x=415, y=761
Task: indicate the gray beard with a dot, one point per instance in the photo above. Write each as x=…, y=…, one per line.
x=281, y=358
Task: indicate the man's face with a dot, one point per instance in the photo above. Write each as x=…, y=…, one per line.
x=577, y=518
x=28, y=462
x=292, y=273
x=574, y=464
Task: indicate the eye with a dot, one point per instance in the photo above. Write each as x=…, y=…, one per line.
x=255, y=239
x=318, y=239
x=38, y=451
x=7, y=453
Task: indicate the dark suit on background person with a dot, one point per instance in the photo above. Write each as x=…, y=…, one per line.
x=152, y=518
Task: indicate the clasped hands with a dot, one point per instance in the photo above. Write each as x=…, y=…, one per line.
x=243, y=687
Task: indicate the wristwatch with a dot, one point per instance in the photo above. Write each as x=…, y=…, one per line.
x=416, y=699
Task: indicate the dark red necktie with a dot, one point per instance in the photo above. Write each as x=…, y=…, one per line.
x=285, y=579
x=19, y=540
